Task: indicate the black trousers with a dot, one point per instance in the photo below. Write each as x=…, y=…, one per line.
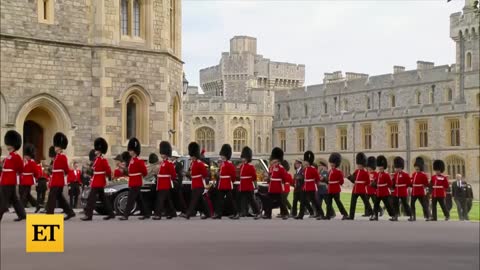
x=322, y=197
x=287, y=202
x=222, y=196
x=339, y=203
x=370, y=197
x=309, y=198
x=25, y=196
x=353, y=204
x=56, y=195
x=248, y=198
x=162, y=196
x=9, y=196
x=441, y=201
x=92, y=200
x=423, y=201
x=135, y=195
x=275, y=197
x=197, y=197
x=73, y=193
x=396, y=205
x=178, y=191
x=462, y=208
x=386, y=202
x=298, y=198
x=41, y=191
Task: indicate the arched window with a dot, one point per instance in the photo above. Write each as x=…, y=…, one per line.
x=325, y=108
x=124, y=17
x=135, y=117
x=345, y=167
x=468, y=61
x=45, y=10
x=288, y=111
x=305, y=108
x=131, y=118
x=205, y=137
x=369, y=105
x=449, y=95
x=418, y=97
x=267, y=144
x=259, y=145
x=454, y=165
x=239, y=139
x=345, y=105
x=136, y=18
x=478, y=100
x=393, y=102
x=432, y=95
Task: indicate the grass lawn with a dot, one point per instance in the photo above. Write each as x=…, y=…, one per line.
x=474, y=214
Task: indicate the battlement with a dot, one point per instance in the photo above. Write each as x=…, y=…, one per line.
x=243, y=44
x=423, y=65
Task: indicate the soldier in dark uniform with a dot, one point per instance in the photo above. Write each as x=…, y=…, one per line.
x=177, y=189
x=42, y=181
x=297, y=192
x=460, y=194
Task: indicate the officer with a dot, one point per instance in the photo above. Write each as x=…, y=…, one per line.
x=101, y=171
x=312, y=178
x=419, y=183
x=11, y=170
x=335, y=181
x=460, y=194
x=136, y=171
x=42, y=185
x=178, y=184
x=439, y=184
x=361, y=180
x=75, y=182
x=297, y=192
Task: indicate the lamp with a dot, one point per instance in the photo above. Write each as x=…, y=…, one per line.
x=185, y=84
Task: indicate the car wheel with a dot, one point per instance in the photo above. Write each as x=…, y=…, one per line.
x=120, y=203
x=259, y=203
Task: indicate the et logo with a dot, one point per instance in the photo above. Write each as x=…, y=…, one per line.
x=44, y=233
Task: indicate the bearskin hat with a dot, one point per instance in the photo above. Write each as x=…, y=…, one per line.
x=420, y=163
x=226, y=151
x=101, y=145
x=126, y=157
x=247, y=153
x=335, y=158
x=134, y=145
x=51, y=152
x=152, y=158
x=286, y=165
x=382, y=162
x=13, y=139
x=309, y=157
x=361, y=159
x=372, y=162
x=29, y=150
x=438, y=165
x=194, y=150
x=165, y=148
x=91, y=155
x=118, y=158
x=398, y=163
x=60, y=140
x=277, y=153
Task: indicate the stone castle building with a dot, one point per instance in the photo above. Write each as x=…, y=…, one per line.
x=432, y=111
x=237, y=106
x=91, y=68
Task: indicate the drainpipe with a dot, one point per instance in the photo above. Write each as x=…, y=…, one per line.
x=407, y=144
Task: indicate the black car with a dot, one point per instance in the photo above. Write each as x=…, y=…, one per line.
x=117, y=191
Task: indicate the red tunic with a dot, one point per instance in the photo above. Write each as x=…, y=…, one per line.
x=402, y=182
x=198, y=172
x=288, y=183
x=101, y=170
x=312, y=177
x=277, y=178
x=166, y=175
x=419, y=183
x=136, y=171
x=439, y=185
x=335, y=181
x=118, y=173
x=362, y=180
x=40, y=171
x=30, y=173
x=371, y=190
x=60, y=171
x=12, y=168
x=248, y=175
x=75, y=176
x=384, y=182
x=227, y=176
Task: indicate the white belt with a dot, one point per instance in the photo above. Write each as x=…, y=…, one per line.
x=359, y=182
x=382, y=185
x=275, y=179
x=98, y=172
x=7, y=170
x=438, y=187
x=164, y=175
x=134, y=174
x=64, y=176
x=401, y=185
x=27, y=173
x=309, y=180
x=224, y=176
x=57, y=171
x=245, y=177
x=417, y=185
x=333, y=182
x=197, y=176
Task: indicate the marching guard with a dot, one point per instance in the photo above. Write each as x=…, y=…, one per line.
x=227, y=176
x=136, y=171
x=198, y=173
x=275, y=186
x=419, y=183
x=74, y=184
x=101, y=170
x=382, y=184
x=165, y=178
x=311, y=179
x=401, y=182
x=248, y=175
x=58, y=180
x=29, y=176
x=335, y=181
x=361, y=180
x=11, y=170
x=372, y=174
x=439, y=185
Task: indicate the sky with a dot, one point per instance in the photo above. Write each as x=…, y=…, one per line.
x=352, y=36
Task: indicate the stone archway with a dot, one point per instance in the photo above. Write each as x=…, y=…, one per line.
x=39, y=119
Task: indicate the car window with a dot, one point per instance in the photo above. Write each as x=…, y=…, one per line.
x=260, y=169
